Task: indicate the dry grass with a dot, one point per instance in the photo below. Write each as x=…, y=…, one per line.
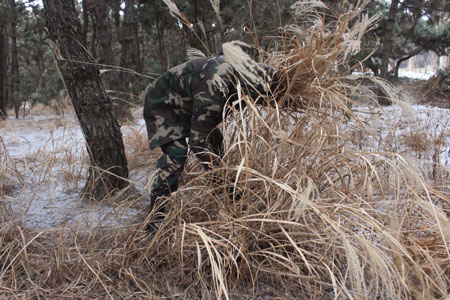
x=436, y=91
x=316, y=217
x=315, y=54
x=136, y=145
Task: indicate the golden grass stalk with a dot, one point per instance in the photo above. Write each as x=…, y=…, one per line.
x=175, y=12
x=243, y=63
x=216, y=7
x=193, y=53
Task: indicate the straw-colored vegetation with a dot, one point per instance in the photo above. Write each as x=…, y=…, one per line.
x=312, y=216
x=437, y=90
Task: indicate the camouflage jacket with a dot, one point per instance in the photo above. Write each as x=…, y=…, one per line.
x=186, y=102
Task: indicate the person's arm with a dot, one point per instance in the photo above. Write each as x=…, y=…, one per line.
x=262, y=93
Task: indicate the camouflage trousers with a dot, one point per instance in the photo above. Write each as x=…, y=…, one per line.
x=171, y=163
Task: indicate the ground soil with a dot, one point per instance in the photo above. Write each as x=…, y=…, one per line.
x=426, y=92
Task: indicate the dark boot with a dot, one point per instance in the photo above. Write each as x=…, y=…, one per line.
x=234, y=193
x=220, y=182
x=157, y=209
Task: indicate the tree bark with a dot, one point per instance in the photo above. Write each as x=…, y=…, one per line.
x=40, y=57
x=197, y=37
x=160, y=33
x=100, y=9
x=387, y=47
x=15, y=77
x=108, y=166
x=93, y=41
x=115, y=6
x=387, y=38
x=129, y=59
x=3, y=112
x=85, y=5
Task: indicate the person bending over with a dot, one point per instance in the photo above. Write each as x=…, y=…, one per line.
x=189, y=101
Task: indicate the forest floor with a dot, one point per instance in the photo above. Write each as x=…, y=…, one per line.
x=48, y=197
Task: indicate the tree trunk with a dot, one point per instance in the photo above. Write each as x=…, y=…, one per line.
x=85, y=5
x=108, y=166
x=7, y=62
x=387, y=47
x=410, y=55
x=129, y=59
x=40, y=58
x=100, y=9
x=2, y=70
x=197, y=37
x=160, y=32
x=387, y=38
x=115, y=6
x=93, y=47
x=130, y=44
x=15, y=78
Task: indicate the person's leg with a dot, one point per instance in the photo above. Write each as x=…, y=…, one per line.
x=215, y=143
x=209, y=152
x=170, y=166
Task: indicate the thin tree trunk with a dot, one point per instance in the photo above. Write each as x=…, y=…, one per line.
x=3, y=112
x=196, y=40
x=106, y=57
x=108, y=166
x=159, y=17
x=15, y=77
x=130, y=45
x=129, y=59
x=85, y=5
x=387, y=38
x=115, y=5
x=41, y=54
x=7, y=62
x=93, y=47
x=387, y=47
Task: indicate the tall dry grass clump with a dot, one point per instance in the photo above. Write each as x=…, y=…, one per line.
x=315, y=55
x=300, y=212
x=310, y=214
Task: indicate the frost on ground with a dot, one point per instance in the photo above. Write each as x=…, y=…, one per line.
x=43, y=170
x=421, y=135
x=43, y=162
x=419, y=74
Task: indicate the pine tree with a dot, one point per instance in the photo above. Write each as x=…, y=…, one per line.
x=108, y=169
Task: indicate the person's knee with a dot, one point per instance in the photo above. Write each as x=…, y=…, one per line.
x=176, y=155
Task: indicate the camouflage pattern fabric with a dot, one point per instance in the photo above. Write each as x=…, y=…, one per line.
x=185, y=102
x=170, y=166
x=171, y=163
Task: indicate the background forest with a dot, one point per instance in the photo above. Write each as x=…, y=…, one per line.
x=134, y=40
